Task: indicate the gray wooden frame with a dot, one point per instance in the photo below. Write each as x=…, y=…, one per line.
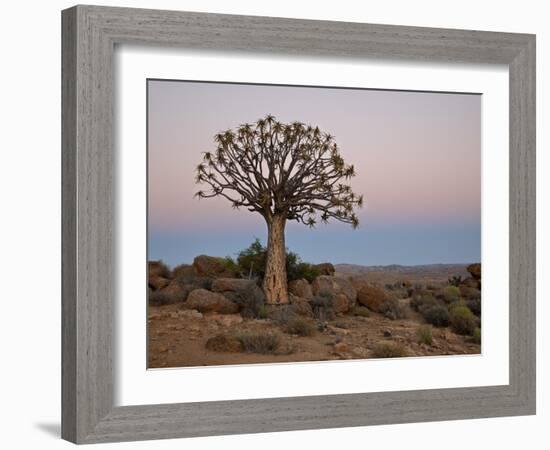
x=89, y=36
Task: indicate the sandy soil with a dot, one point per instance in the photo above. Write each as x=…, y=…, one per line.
x=177, y=338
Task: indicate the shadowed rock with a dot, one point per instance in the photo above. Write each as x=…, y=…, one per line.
x=206, y=301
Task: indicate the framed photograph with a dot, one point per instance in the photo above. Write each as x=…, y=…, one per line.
x=268, y=222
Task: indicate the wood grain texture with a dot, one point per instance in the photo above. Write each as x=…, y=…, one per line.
x=89, y=36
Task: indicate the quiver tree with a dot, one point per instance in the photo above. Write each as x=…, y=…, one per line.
x=283, y=172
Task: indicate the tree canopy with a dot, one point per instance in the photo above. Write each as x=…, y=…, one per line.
x=291, y=170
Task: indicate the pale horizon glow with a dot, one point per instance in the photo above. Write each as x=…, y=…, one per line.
x=417, y=156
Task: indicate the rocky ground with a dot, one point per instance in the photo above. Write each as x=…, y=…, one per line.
x=202, y=315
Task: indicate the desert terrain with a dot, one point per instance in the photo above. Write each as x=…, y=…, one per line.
x=206, y=313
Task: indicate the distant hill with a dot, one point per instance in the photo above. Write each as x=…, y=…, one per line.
x=436, y=273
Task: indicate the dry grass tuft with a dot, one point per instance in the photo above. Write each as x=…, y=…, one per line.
x=387, y=349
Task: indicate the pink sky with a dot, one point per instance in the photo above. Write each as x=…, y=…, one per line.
x=417, y=155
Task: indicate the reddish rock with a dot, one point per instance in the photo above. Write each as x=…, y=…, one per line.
x=301, y=288
x=300, y=306
x=157, y=282
x=325, y=268
x=206, y=301
x=341, y=304
x=158, y=269
x=213, y=267
x=335, y=285
x=231, y=284
x=175, y=289
x=341, y=347
x=475, y=270
x=372, y=297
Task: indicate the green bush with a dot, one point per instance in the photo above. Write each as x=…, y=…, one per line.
x=259, y=342
x=424, y=334
x=449, y=294
x=299, y=270
x=476, y=337
x=231, y=265
x=252, y=262
x=300, y=326
x=463, y=320
x=437, y=315
x=387, y=349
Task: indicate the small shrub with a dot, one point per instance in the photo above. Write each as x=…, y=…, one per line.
x=463, y=320
x=424, y=334
x=259, y=342
x=322, y=306
x=183, y=270
x=476, y=337
x=423, y=300
x=300, y=326
x=449, y=294
x=194, y=282
x=250, y=299
x=469, y=292
x=361, y=311
x=392, y=309
x=387, y=349
x=159, y=298
x=455, y=280
x=262, y=312
x=437, y=315
x=224, y=343
x=474, y=305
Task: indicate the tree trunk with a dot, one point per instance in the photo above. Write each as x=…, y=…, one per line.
x=275, y=284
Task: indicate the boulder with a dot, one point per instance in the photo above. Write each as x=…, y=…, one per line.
x=174, y=289
x=245, y=293
x=341, y=347
x=475, y=270
x=158, y=269
x=325, y=268
x=300, y=306
x=210, y=266
x=231, y=284
x=341, y=304
x=335, y=285
x=372, y=297
x=470, y=282
x=205, y=301
x=301, y=288
x=157, y=282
